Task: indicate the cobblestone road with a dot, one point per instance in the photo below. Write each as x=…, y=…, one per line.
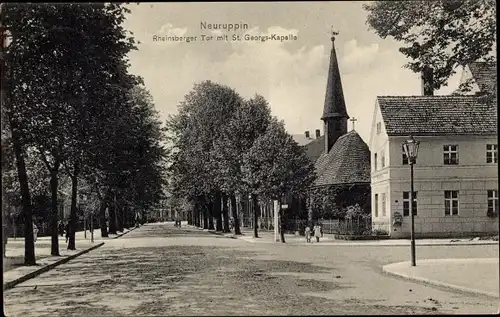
x=162, y=270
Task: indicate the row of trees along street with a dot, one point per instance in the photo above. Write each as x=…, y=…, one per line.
x=74, y=117
x=226, y=148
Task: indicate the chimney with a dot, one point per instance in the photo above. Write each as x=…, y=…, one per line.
x=427, y=81
x=307, y=134
x=318, y=133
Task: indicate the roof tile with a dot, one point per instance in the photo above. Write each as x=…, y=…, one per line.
x=438, y=115
x=347, y=162
x=485, y=75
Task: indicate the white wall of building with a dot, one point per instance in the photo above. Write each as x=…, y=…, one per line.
x=472, y=178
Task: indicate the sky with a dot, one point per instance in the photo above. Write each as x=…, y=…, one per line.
x=290, y=74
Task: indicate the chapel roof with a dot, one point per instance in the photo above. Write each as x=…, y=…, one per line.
x=334, y=98
x=438, y=115
x=348, y=162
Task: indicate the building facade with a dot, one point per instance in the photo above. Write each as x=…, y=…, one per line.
x=456, y=171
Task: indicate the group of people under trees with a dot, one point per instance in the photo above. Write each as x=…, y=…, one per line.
x=63, y=228
x=317, y=231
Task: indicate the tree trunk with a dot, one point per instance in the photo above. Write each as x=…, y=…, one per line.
x=125, y=219
x=199, y=215
x=72, y=226
x=234, y=208
x=29, y=241
x=243, y=208
x=119, y=216
x=195, y=212
x=205, y=215
x=211, y=216
x=255, y=206
x=54, y=184
x=112, y=215
x=282, y=233
x=102, y=217
x=225, y=212
x=218, y=212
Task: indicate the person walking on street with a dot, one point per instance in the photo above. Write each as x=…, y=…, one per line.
x=60, y=227
x=317, y=232
x=35, y=232
x=308, y=234
x=66, y=229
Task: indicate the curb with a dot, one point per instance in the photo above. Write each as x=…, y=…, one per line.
x=438, y=283
x=48, y=267
x=124, y=233
x=222, y=234
x=360, y=244
x=213, y=232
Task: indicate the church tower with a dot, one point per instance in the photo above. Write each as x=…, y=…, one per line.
x=334, y=111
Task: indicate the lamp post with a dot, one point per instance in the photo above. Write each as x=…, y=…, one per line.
x=410, y=147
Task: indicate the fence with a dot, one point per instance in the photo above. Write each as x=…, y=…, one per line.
x=348, y=226
x=335, y=226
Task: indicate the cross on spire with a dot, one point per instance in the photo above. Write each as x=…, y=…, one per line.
x=334, y=33
x=353, y=120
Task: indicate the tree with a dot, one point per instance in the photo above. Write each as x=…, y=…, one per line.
x=276, y=166
x=194, y=134
x=248, y=122
x=13, y=121
x=442, y=34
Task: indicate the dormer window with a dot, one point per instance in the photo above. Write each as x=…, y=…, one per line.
x=379, y=127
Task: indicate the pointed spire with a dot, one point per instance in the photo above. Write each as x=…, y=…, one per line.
x=334, y=98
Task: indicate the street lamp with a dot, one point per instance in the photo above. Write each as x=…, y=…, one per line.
x=410, y=147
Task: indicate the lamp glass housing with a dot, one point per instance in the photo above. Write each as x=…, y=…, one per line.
x=410, y=147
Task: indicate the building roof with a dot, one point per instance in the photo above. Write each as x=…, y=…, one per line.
x=301, y=139
x=485, y=75
x=438, y=115
x=334, y=98
x=347, y=162
x=315, y=148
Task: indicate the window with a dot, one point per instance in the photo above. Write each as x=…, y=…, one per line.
x=450, y=153
x=379, y=127
x=492, y=201
x=382, y=160
x=376, y=205
x=406, y=203
x=491, y=153
x=375, y=161
x=450, y=202
x=383, y=204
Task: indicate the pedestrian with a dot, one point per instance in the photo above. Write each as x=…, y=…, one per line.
x=5, y=237
x=66, y=229
x=317, y=232
x=35, y=232
x=308, y=234
x=60, y=227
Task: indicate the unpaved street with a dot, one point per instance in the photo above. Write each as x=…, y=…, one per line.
x=162, y=270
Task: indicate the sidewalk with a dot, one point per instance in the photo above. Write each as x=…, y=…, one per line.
x=480, y=276
x=329, y=239
x=14, y=271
